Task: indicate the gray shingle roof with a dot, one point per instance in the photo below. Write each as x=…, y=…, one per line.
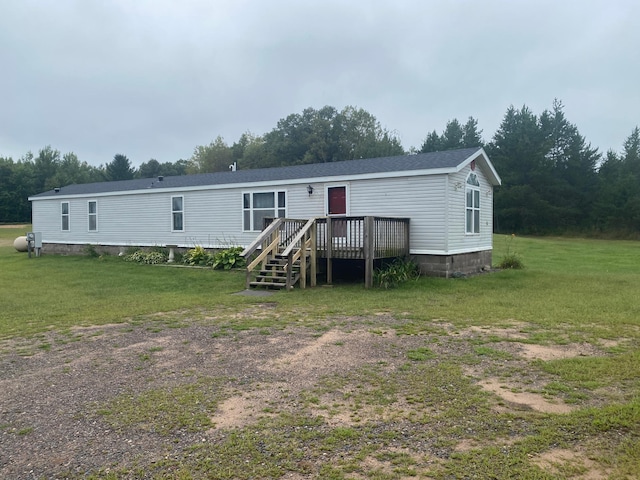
x=424, y=161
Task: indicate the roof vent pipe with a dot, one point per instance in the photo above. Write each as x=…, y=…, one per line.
x=57, y=189
x=160, y=178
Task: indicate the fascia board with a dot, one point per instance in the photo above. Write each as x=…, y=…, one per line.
x=270, y=183
x=493, y=176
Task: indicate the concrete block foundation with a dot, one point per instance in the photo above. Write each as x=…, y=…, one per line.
x=454, y=265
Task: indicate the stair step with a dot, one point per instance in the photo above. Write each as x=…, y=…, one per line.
x=280, y=266
x=278, y=260
x=268, y=285
x=272, y=277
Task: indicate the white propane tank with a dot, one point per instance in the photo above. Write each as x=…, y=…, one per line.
x=20, y=243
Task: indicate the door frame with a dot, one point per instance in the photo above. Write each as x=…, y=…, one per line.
x=346, y=199
x=346, y=187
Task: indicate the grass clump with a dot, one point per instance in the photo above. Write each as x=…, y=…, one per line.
x=395, y=273
x=420, y=354
x=511, y=259
x=166, y=411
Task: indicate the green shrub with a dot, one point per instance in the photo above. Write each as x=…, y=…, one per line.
x=156, y=258
x=511, y=259
x=229, y=258
x=198, y=256
x=152, y=258
x=160, y=249
x=395, y=273
x=90, y=251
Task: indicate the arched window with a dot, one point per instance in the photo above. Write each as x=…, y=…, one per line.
x=472, y=204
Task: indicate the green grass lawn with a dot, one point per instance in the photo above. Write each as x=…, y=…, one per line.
x=571, y=291
x=580, y=287
x=58, y=292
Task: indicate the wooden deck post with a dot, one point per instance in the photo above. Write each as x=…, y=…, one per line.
x=407, y=242
x=289, y=271
x=314, y=253
x=329, y=253
x=303, y=263
x=369, y=254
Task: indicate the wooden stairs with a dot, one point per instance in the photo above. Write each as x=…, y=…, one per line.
x=287, y=250
x=283, y=255
x=273, y=275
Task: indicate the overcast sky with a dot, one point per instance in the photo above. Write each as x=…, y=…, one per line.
x=156, y=78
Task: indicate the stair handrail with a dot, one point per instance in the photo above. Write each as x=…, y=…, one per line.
x=308, y=230
x=262, y=240
x=266, y=233
x=303, y=231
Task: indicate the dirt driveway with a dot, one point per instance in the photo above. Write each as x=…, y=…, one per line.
x=54, y=389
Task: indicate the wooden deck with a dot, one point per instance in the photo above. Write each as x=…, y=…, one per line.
x=287, y=248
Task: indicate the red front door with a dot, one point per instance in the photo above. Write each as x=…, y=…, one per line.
x=337, y=200
x=337, y=205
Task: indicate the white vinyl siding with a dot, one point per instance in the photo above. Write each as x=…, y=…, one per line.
x=65, y=225
x=92, y=212
x=215, y=218
x=422, y=199
x=177, y=214
x=459, y=240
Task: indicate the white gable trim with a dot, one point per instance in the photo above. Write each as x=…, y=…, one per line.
x=490, y=171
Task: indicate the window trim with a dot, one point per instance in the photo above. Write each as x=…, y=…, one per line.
x=175, y=212
x=278, y=211
x=472, y=223
x=64, y=216
x=94, y=214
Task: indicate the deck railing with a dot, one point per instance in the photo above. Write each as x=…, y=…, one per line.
x=355, y=238
x=358, y=238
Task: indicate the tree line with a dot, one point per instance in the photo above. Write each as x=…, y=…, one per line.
x=553, y=180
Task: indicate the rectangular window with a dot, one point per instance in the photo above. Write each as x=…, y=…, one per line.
x=260, y=205
x=473, y=211
x=64, y=210
x=93, y=215
x=177, y=214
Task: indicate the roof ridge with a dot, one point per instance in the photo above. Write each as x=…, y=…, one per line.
x=361, y=166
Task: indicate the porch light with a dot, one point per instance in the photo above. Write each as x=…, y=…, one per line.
x=309, y=189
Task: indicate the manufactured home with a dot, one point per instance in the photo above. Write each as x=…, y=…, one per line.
x=440, y=204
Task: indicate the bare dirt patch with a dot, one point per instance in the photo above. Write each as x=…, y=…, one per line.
x=554, y=461
x=50, y=398
x=545, y=352
x=514, y=332
x=334, y=351
x=521, y=399
x=514, y=390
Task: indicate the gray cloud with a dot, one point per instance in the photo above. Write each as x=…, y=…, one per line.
x=153, y=79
